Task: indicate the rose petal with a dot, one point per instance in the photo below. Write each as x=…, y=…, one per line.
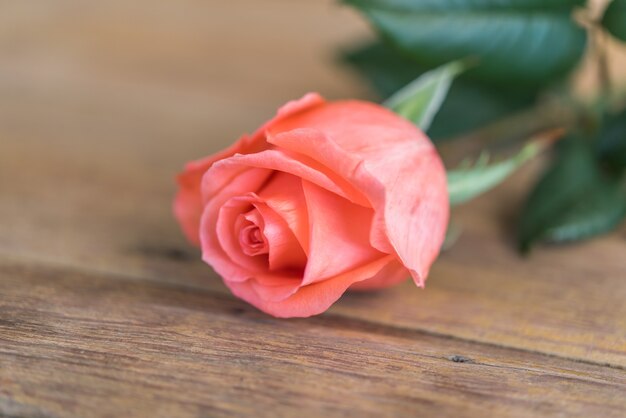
x=392, y=274
x=339, y=234
x=285, y=252
x=275, y=287
x=308, y=300
x=222, y=173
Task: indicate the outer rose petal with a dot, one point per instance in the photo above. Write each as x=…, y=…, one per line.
x=391, y=275
x=389, y=160
x=223, y=173
x=188, y=201
x=274, y=288
x=312, y=299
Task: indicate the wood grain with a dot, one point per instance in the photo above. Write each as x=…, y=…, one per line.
x=105, y=309
x=108, y=344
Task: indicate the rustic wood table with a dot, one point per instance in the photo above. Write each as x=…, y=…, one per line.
x=106, y=311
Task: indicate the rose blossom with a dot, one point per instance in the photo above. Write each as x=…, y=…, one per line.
x=322, y=198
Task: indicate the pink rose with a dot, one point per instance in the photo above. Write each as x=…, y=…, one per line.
x=322, y=198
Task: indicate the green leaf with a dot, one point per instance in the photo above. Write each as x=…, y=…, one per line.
x=468, y=106
x=574, y=200
x=611, y=143
x=614, y=19
x=466, y=183
x=516, y=41
x=420, y=100
x=471, y=106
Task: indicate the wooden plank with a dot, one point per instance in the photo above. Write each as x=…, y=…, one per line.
x=78, y=344
x=90, y=143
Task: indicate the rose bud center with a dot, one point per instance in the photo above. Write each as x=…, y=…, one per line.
x=252, y=241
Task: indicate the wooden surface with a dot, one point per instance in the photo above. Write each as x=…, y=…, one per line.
x=106, y=311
